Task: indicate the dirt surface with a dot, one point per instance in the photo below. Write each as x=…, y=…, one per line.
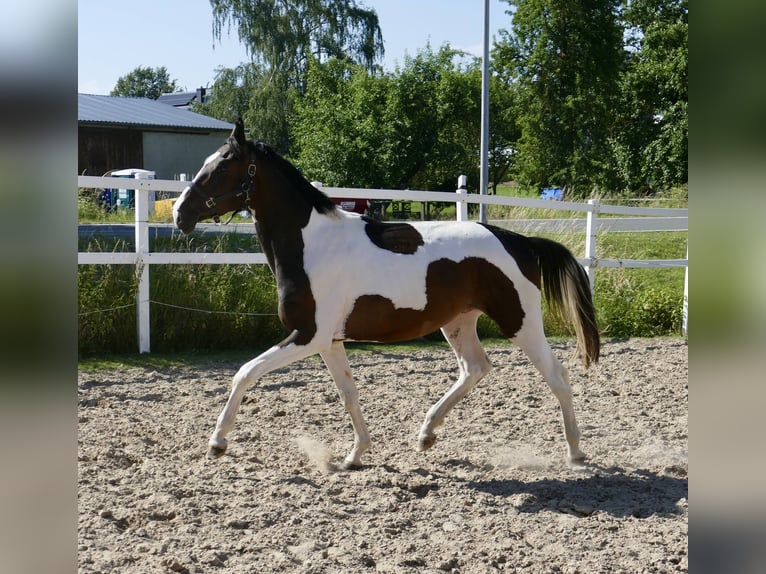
x=494, y=493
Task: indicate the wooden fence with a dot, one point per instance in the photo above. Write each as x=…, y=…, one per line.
x=641, y=219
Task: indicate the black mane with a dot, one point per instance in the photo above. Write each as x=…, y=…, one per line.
x=317, y=199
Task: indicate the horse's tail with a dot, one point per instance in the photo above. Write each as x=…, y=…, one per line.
x=567, y=289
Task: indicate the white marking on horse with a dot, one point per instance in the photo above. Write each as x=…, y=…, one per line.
x=336, y=281
x=211, y=158
x=178, y=202
x=185, y=193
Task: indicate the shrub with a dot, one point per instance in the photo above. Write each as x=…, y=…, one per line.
x=627, y=307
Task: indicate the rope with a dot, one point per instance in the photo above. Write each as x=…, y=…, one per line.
x=214, y=312
x=209, y=312
x=84, y=313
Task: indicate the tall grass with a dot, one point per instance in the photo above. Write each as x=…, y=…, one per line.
x=221, y=307
x=194, y=307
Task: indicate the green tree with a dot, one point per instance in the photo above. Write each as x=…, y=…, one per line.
x=414, y=128
x=340, y=129
x=285, y=35
x=565, y=58
x=504, y=130
x=261, y=97
x=282, y=37
x=229, y=97
x=145, y=83
x=435, y=106
x=650, y=145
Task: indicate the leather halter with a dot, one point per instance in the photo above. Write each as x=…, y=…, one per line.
x=247, y=188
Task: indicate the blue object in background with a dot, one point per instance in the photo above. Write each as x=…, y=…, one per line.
x=555, y=193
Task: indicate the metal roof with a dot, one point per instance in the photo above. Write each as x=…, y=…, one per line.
x=178, y=98
x=117, y=110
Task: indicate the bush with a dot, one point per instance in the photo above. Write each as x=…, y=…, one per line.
x=630, y=308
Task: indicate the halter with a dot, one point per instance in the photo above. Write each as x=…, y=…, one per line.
x=247, y=188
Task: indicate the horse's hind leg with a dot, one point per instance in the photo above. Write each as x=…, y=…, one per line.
x=275, y=358
x=531, y=339
x=337, y=363
x=474, y=365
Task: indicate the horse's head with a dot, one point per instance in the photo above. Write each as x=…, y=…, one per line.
x=222, y=185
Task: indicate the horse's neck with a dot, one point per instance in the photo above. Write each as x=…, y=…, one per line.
x=284, y=205
x=281, y=236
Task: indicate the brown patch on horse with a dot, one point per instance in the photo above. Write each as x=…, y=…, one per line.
x=520, y=249
x=394, y=237
x=452, y=288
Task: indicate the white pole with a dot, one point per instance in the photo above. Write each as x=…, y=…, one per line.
x=142, y=269
x=461, y=204
x=484, y=175
x=685, y=311
x=591, y=225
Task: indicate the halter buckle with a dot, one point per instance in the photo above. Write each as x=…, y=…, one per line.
x=210, y=203
x=251, y=170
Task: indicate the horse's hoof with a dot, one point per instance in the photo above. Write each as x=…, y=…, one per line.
x=350, y=465
x=215, y=451
x=426, y=442
x=577, y=457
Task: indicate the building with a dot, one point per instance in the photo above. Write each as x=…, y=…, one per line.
x=184, y=100
x=118, y=133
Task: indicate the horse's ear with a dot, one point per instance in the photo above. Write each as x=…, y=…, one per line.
x=238, y=133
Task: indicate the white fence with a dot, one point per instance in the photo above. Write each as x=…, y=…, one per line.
x=643, y=219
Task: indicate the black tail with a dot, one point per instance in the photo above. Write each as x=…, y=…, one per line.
x=567, y=288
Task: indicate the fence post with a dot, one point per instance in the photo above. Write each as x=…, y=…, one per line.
x=142, y=269
x=591, y=225
x=461, y=205
x=685, y=310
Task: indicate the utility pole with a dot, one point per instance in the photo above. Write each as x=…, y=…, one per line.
x=484, y=171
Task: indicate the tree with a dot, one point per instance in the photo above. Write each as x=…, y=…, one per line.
x=651, y=145
x=260, y=97
x=413, y=128
x=504, y=131
x=565, y=57
x=145, y=83
x=282, y=37
x=229, y=97
x=340, y=128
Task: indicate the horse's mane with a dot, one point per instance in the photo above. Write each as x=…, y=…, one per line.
x=315, y=197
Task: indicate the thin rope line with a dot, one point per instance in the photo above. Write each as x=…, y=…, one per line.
x=105, y=310
x=213, y=312
x=209, y=312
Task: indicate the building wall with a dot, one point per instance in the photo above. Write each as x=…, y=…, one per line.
x=171, y=154
x=106, y=149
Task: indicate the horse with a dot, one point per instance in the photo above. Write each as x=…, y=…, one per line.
x=341, y=276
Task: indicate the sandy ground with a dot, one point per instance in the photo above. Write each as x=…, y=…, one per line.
x=494, y=494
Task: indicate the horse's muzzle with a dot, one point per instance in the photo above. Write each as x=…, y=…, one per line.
x=184, y=219
x=185, y=227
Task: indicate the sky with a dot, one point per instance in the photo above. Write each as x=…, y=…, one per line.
x=117, y=36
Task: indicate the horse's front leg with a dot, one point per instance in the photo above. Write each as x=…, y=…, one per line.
x=276, y=357
x=337, y=362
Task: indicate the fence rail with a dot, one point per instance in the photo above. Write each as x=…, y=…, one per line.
x=645, y=219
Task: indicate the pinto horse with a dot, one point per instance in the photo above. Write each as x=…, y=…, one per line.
x=344, y=277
